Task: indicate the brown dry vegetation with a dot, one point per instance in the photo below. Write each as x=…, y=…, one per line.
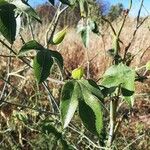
x=74, y=55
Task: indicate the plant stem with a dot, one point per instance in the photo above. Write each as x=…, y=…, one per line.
x=113, y=108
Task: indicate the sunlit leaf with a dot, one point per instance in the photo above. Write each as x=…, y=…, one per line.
x=78, y=73
x=120, y=75
x=69, y=101
x=88, y=96
x=92, y=87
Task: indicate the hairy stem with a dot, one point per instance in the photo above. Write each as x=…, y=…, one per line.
x=113, y=108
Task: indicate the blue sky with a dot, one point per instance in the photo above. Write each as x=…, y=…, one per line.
x=134, y=11
x=135, y=7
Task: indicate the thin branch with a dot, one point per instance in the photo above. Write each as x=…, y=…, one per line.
x=27, y=107
x=7, y=56
x=89, y=140
x=110, y=24
x=133, y=142
x=138, y=25
x=9, y=84
x=26, y=61
x=144, y=52
x=51, y=97
x=7, y=76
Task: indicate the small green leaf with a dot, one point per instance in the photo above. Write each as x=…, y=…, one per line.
x=69, y=101
x=90, y=112
x=21, y=116
x=77, y=73
x=42, y=64
x=58, y=37
x=148, y=66
x=85, y=27
x=85, y=35
x=31, y=45
x=7, y=21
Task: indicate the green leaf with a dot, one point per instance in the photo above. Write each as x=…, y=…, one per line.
x=31, y=45
x=120, y=75
x=58, y=58
x=85, y=35
x=88, y=95
x=90, y=112
x=24, y=7
x=129, y=100
x=92, y=87
x=77, y=73
x=69, y=101
x=85, y=27
x=7, y=21
x=42, y=64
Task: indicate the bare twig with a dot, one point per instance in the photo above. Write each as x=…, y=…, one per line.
x=89, y=140
x=138, y=25
x=110, y=24
x=51, y=97
x=7, y=77
x=27, y=107
x=133, y=142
